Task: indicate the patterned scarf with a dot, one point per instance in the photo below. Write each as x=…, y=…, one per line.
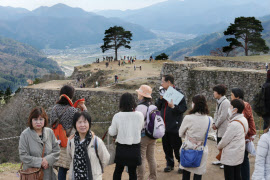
x=81, y=163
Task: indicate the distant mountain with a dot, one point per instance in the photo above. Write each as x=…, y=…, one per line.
x=9, y=13
x=61, y=26
x=191, y=16
x=202, y=45
x=19, y=62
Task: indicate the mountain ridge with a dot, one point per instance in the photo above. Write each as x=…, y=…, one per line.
x=61, y=26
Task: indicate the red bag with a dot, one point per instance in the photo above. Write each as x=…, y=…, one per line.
x=59, y=131
x=60, y=134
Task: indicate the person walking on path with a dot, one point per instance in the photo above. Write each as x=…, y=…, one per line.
x=127, y=126
x=221, y=116
x=87, y=152
x=194, y=129
x=262, y=161
x=32, y=141
x=64, y=112
x=116, y=79
x=172, y=115
x=238, y=93
x=233, y=142
x=148, y=144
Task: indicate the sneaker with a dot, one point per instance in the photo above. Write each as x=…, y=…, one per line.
x=168, y=169
x=216, y=163
x=180, y=171
x=221, y=167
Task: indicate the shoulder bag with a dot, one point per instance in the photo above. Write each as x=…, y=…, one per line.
x=32, y=173
x=191, y=157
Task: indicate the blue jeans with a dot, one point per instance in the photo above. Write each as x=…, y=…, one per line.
x=62, y=173
x=245, y=170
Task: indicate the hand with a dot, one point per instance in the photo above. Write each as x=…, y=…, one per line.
x=82, y=106
x=170, y=104
x=44, y=163
x=214, y=127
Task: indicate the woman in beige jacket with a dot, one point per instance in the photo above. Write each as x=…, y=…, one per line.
x=87, y=152
x=194, y=128
x=232, y=143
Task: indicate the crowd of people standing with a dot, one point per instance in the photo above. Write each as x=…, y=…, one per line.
x=85, y=154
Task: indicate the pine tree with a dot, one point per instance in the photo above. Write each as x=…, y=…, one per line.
x=116, y=37
x=247, y=35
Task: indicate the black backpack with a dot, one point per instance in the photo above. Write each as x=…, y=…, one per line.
x=259, y=102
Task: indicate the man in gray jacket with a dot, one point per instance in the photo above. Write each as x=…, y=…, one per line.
x=221, y=116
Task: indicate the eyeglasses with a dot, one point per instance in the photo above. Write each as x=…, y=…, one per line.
x=38, y=120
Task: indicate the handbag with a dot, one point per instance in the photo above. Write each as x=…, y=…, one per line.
x=191, y=157
x=218, y=157
x=32, y=173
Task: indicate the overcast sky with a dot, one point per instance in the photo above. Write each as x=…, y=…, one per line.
x=88, y=5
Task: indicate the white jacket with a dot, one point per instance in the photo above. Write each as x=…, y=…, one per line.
x=262, y=162
x=95, y=165
x=195, y=126
x=233, y=141
x=127, y=126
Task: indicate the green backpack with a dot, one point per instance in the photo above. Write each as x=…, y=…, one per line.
x=259, y=102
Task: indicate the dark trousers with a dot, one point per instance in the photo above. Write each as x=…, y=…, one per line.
x=186, y=176
x=266, y=120
x=119, y=170
x=171, y=142
x=232, y=172
x=245, y=170
x=62, y=173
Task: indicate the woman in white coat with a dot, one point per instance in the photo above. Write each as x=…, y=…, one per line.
x=233, y=142
x=87, y=152
x=262, y=162
x=194, y=128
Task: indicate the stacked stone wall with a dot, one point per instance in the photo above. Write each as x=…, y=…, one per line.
x=228, y=63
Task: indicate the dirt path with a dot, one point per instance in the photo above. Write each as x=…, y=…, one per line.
x=213, y=172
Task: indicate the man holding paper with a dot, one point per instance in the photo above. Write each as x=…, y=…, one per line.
x=172, y=105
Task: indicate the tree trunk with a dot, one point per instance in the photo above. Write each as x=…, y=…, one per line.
x=115, y=46
x=246, y=46
x=115, y=54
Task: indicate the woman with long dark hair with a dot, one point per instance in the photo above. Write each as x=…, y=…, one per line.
x=63, y=112
x=126, y=126
x=194, y=129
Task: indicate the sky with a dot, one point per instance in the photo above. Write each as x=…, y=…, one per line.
x=88, y=5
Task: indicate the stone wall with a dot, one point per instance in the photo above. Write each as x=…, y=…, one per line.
x=101, y=105
x=181, y=72
x=194, y=78
x=228, y=63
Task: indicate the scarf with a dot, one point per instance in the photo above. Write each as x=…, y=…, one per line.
x=81, y=162
x=70, y=102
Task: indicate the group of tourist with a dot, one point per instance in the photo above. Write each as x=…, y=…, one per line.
x=85, y=154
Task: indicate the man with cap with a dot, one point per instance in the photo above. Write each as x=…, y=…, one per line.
x=172, y=115
x=148, y=144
